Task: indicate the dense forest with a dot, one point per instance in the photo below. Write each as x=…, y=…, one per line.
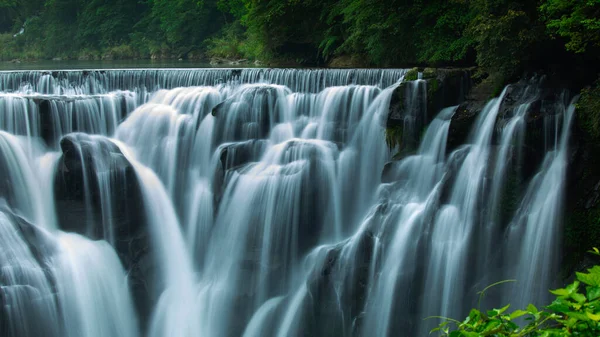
x=503, y=35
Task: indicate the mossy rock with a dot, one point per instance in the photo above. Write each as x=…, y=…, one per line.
x=347, y=61
x=429, y=73
x=588, y=108
x=393, y=136
x=397, y=106
x=441, y=87
x=412, y=75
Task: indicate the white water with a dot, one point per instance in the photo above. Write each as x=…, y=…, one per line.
x=248, y=203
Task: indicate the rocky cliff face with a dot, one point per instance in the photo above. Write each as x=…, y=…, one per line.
x=425, y=91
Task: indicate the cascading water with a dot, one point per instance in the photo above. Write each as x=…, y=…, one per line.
x=249, y=202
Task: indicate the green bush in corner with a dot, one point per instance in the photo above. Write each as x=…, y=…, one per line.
x=574, y=312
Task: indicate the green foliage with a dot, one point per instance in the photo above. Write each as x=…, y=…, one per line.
x=502, y=36
x=8, y=14
x=588, y=107
x=286, y=28
x=232, y=43
x=106, y=23
x=441, y=31
x=429, y=31
x=577, y=20
x=7, y=52
x=505, y=32
x=187, y=23
x=237, y=8
x=393, y=136
x=574, y=312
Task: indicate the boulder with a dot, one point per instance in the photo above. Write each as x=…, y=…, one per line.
x=92, y=174
x=346, y=264
x=28, y=283
x=418, y=99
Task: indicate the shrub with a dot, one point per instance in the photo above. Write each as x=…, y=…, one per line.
x=574, y=312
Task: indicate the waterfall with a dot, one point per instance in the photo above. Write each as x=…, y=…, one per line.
x=535, y=229
x=266, y=202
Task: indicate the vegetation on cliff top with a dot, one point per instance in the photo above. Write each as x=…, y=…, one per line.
x=504, y=36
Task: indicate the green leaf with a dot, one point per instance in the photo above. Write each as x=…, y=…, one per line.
x=577, y=315
x=560, y=292
x=455, y=333
x=593, y=293
x=571, y=288
x=491, y=325
x=517, y=313
x=512, y=325
x=559, y=305
x=503, y=309
x=469, y=334
x=492, y=313
x=474, y=315
x=591, y=279
x=593, y=317
x=578, y=297
x=532, y=309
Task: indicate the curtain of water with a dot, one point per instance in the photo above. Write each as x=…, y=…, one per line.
x=249, y=202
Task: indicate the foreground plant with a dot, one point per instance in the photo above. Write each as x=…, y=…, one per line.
x=574, y=312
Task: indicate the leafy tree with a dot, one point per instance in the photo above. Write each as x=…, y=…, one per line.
x=577, y=20
x=282, y=27
x=441, y=26
x=104, y=23
x=237, y=8
x=393, y=32
x=187, y=23
x=505, y=34
x=60, y=21
x=8, y=14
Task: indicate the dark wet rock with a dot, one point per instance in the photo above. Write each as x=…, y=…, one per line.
x=326, y=316
x=544, y=106
x=78, y=200
x=57, y=121
x=237, y=154
x=389, y=172
x=446, y=87
x=234, y=157
x=462, y=123
x=417, y=101
x=218, y=109
x=40, y=243
x=249, y=114
x=347, y=61
x=407, y=115
x=582, y=199
x=26, y=279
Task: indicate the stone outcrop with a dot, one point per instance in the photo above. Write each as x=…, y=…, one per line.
x=582, y=213
x=417, y=100
x=86, y=161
